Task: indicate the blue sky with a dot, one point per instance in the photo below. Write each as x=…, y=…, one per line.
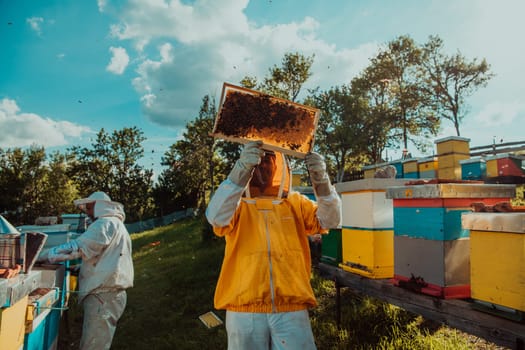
x=69, y=67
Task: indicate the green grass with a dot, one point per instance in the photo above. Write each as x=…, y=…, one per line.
x=175, y=275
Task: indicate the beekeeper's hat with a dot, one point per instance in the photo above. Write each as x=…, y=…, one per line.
x=94, y=197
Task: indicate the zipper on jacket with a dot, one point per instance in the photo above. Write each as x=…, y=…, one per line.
x=268, y=245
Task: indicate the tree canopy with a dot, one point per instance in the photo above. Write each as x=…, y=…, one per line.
x=401, y=97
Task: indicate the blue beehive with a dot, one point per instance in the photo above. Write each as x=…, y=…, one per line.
x=473, y=169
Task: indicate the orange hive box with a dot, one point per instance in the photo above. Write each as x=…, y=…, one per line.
x=248, y=115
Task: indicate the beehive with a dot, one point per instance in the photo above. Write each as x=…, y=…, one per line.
x=367, y=227
x=247, y=115
x=497, y=258
x=296, y=178
x=12, y=325
x=431, y=249
x=427, y=167
x=473, y=169
x=410, y=169
x=450, y=151
x=331, y=248
x=505, y=164
x=452, y=144
x=369, y=171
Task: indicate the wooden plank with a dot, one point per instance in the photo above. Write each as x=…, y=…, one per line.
x=455, y=313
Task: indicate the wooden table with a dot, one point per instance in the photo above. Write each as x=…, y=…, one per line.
x=455, y=313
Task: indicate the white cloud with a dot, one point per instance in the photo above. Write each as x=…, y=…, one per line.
x=211, y=42
x=102, y=5
x=26, y=129
x=119, y=60
x=500, y=114
x=35, y=24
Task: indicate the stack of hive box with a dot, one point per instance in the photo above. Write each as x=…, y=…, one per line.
x=450, y=151
x=367, y=227
x=431, y=250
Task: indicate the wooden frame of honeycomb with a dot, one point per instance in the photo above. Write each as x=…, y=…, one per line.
x=248, y=115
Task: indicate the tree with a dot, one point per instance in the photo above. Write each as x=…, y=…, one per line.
x=111, y=165
x=191, y=163
x=340, y=135
x=59, y=190
x=32, y=188
x=286, y=81
x=413, y=119
x=450, y=79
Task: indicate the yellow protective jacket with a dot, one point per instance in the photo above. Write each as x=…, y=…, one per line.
x=266, y=266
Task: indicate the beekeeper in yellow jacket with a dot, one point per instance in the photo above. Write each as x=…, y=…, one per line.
x=264, y=282
x=106, y=270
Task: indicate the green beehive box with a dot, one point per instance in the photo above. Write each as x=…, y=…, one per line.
x=331, y=249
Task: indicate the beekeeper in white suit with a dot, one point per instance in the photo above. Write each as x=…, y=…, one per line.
x=106, y=270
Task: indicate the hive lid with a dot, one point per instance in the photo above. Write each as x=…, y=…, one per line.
x=497, y=222
x=452, y=190
x=247, y=115
x=368, y=184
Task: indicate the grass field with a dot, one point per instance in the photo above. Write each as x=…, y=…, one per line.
x=175, y=275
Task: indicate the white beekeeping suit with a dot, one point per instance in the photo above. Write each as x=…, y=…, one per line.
x=106, y=270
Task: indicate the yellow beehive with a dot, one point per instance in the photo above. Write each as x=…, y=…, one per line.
x=369, y=171
x=12, y=325
x=368, y=253
x=497, y=257
x=453, y=173
x=410, y=165
x=492, y=166
x=296, y=178
x=427, y=167
x=452, y=144
x=451, y=160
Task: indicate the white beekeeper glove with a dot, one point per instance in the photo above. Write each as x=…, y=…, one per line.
x=317, y=168
x=251, y=155
x=66, y=251
x=42, y=257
